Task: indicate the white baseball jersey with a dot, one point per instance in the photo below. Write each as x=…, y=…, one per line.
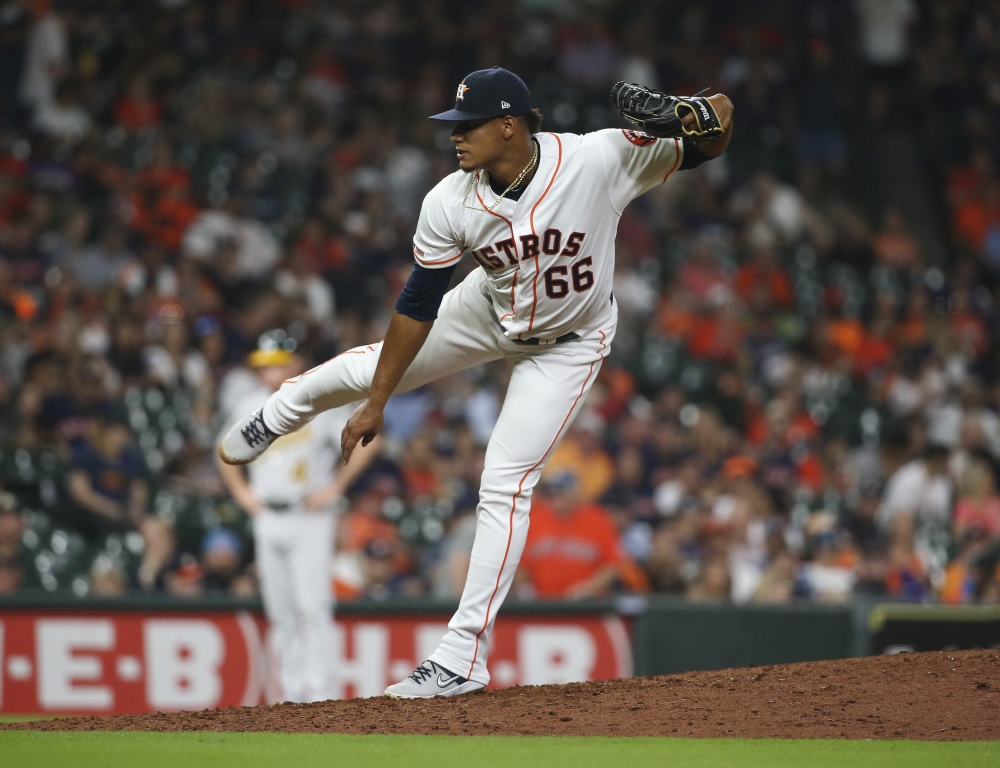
x=549, y=256
x=299, y=463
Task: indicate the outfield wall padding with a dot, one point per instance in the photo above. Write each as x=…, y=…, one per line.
x=674, y=636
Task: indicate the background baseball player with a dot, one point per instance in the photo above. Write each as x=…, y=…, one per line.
x=539, y=212
x=290, y=494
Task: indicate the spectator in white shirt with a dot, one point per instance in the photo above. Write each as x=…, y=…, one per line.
x=885, y=30
x=885, y=35
x=921, y=489
x=257, y=252
x=46, y=57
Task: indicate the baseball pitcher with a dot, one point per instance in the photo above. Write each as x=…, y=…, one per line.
x=539, y=214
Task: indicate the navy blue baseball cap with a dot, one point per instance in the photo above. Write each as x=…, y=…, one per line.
x=489, y=93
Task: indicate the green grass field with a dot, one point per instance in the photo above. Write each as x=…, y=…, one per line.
x=26, y=749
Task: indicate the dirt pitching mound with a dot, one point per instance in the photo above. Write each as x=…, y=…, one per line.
x=939, y=696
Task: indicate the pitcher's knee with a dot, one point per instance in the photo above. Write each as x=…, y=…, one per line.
x=292, y=393
x=512, y=484
x=504, y=501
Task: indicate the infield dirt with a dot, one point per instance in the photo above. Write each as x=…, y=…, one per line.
x=948, y=696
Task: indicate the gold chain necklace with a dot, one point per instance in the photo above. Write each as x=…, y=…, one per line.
x=513, y=184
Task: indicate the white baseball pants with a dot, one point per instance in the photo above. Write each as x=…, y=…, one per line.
x=548, y=387
x=294, y=550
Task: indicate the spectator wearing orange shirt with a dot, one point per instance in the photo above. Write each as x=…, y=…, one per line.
x=846, y=333
x=912, y=331
x=582, y=455
x=365, y=523
x=138, y=110
x=762, y=276
x=876, y=348
x=719, y=335
x=163, y=214
x=784, y=423
x=573, y=549
x=973, y=220
x=675, y=316
x=163, y=173
x=370, y=554
x=893, y=245
x=321, y=250
x=419, y=467
x=969, y=572
x=968, y=182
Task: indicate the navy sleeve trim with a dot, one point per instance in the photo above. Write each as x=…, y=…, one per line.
x=693, y=156
x=421, y=296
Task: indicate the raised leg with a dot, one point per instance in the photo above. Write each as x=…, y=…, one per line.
x=465, y=334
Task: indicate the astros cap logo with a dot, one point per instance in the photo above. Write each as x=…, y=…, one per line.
x=488, y=93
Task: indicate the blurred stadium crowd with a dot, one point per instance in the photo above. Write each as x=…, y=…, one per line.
x=803, y=397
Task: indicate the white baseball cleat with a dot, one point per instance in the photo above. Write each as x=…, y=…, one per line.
x=430, y=679
x=247, y=440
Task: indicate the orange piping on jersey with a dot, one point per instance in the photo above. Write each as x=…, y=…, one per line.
x=513, y=285
x=513, y=311
x=531, y=219
x=513, y=504
x=421, y=262
x=369, y=348
x=677, y=159
x=499, y=216
x=554, y=173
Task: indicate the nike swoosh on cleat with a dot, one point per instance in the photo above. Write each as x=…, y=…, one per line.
x=444, y=683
